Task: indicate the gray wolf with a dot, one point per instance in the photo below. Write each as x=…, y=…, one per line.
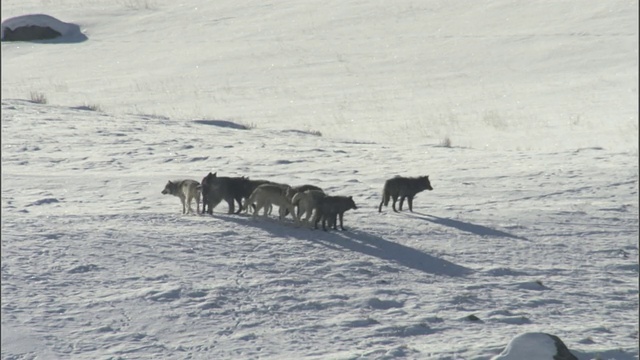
x=329, y=208
x=298, y=189
x=248, y=186
x=306, y=201
x=403, y=187
x=301, y=188
x=251, y=185
x=186, y=190
x=217, y=188
x=266, y=195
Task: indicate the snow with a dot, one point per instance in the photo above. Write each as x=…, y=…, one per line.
x=524, y=116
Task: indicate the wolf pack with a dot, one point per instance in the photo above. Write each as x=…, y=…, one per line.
x=308, y=201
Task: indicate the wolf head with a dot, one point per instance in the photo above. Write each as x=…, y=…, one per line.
x=169, y=188
x=426, y=183
x=207, y=179
x=351, y=203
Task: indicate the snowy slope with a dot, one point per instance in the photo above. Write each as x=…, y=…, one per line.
x=426, y=70
x=532, y=225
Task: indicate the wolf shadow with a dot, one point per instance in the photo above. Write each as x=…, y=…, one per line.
x=358, y=242
x=465, y=226
x=376, y=246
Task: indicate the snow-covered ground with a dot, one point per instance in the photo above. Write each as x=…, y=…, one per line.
x=524, y=116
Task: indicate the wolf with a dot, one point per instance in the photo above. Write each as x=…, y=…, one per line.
x=329, y=208
x=248, y=186
x=306, y=201
x=217, y=188
x=266, y=195
x=403, y=187
x=251, y=185
x=298, y=189
x=186, y=190
x=301, y=188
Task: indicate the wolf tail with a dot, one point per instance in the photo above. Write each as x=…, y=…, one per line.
x=296, y=199
x=249, y=203
x=385, y=199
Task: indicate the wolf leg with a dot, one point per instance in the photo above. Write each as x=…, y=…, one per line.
x=182, y=200
x=308, y=213
x=410, y=203
x=212, y=200
x=189, y=209
x=316, y=219
x=334, y=221
x=210, y=207
x=298, y=211
x=204, y=202
x=341, y=222
x=401, y=202
x=395, y=198
x=385, y=201
x=255, y=206
x=293, y=214
x=324, y=221
x=239, y=201
x=231, y=203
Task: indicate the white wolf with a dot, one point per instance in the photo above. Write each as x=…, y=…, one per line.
x=186, y=190
x=307, y=201
x=271, y=194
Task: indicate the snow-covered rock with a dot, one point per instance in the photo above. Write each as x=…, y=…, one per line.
x=39, y=27
x=536, y=345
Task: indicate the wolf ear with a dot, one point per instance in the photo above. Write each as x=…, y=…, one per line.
x=351, y=197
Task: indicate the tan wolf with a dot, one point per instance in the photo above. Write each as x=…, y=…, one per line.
x=306, y=202
x=271, y=194
x=186, y=190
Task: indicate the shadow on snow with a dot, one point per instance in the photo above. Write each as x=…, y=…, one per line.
x=465, y=226
x=222, y=123
x=356, y=241
x=376, y=246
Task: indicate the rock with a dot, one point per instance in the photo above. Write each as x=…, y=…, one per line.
x=536, y=345
x=37, y=27
x=28, y=33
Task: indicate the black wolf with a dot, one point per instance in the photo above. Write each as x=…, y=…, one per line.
x=329, y=208
x=403, y=187
x=217, y=188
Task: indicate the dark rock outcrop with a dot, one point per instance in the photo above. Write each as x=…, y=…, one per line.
x=29, y=33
